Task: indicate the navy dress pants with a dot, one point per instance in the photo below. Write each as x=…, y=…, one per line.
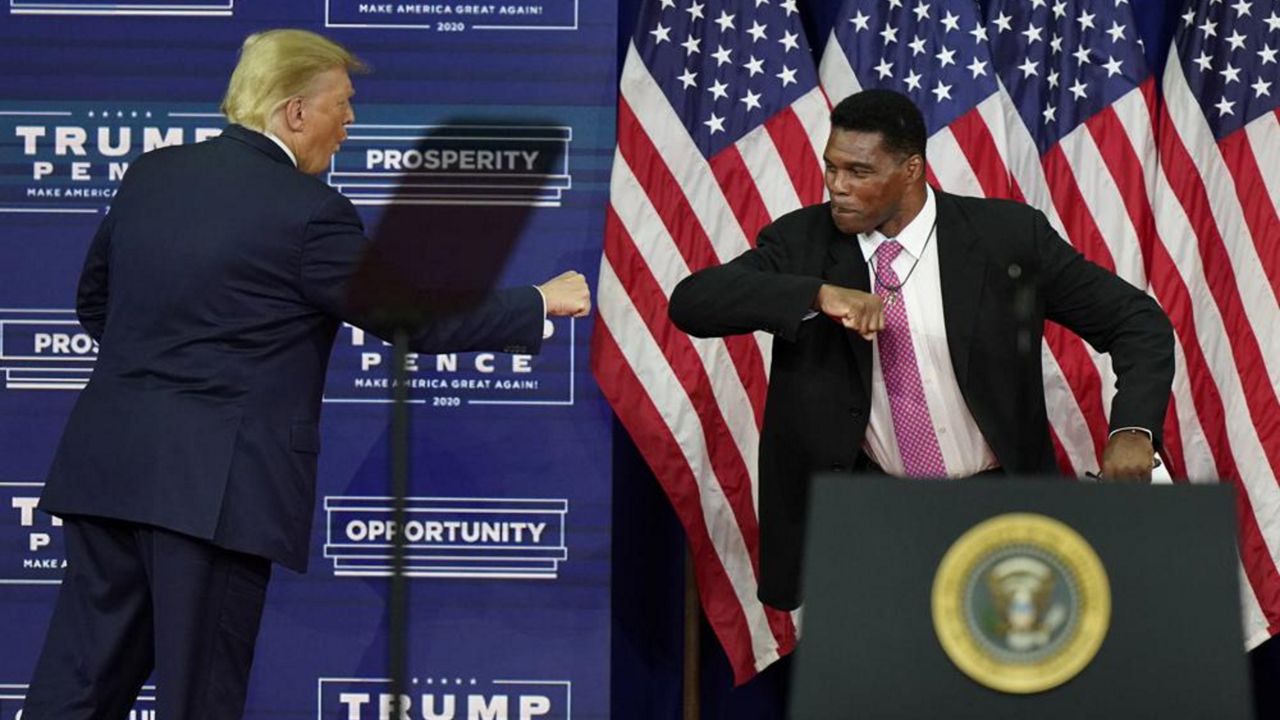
x=137, y=598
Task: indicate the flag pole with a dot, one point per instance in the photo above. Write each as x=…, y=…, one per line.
x=692, y=641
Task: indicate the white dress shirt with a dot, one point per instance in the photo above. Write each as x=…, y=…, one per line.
x=964, y=451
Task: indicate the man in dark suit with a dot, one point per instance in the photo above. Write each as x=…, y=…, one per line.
x=934, y=369
x=215, y=287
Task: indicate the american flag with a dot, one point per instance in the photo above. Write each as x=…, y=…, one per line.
x=1068, y=127
x=721, y=127
x=1216, y=270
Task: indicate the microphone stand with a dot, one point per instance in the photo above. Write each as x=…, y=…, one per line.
x=398, y=594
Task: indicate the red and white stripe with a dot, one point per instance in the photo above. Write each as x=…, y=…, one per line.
x=694, y=406
x=1216, y=272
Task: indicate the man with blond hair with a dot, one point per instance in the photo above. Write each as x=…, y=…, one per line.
x=215, y=287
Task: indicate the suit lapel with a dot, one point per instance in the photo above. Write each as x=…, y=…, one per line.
x=961, y=273
x=847, y=268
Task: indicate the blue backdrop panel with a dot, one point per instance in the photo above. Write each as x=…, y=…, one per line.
x=501, y=110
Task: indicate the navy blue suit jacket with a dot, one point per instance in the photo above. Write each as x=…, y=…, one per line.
x=215, y=286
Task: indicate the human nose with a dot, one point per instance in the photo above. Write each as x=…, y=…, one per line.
x=838, y=182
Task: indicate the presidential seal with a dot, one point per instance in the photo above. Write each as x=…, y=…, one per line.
x=1021, y=603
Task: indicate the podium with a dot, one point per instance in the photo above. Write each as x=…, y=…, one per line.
x=1025, y=598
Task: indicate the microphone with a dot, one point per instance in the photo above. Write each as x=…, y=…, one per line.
x=1024, y=304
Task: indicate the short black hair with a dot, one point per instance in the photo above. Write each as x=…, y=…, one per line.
x=889, y=113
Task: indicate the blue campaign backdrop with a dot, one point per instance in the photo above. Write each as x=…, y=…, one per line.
x=504, y=112
x=583, y=620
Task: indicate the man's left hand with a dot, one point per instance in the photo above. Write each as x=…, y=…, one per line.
x=1129, y=457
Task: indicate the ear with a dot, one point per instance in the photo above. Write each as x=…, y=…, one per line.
x=915, y=167
x=293, y=114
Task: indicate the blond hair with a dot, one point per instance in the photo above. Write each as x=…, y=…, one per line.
x=276, y=65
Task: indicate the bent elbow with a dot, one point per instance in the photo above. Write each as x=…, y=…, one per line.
x=682, y=308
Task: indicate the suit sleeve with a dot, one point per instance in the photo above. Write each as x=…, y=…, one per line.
x=1116, y=318
x=758, y=290
x=341, y=276
x=91, y=292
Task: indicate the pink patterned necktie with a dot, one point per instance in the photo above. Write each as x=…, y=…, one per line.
x=912, y=425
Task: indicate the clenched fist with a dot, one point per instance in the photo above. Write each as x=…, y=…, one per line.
x=567, y=295
x=1128, y=457
x=854, y=309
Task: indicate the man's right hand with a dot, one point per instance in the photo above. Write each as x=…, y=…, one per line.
x=567, y=294
x=854, y=309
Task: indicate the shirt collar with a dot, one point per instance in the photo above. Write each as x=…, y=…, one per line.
x=283, y=147
x=913, y=237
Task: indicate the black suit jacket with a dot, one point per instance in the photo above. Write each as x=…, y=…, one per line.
x=1003, y=271
x=215, y=286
